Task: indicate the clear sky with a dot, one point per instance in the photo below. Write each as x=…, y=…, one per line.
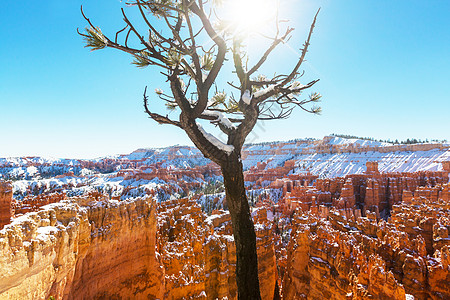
x=384, y=69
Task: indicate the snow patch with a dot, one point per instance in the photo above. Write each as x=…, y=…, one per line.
x=264, y=91
x=220, y=117
x=215, y=141
x=247, y=97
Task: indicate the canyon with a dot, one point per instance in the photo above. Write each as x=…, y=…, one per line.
x=96, y=248
x=137, y=227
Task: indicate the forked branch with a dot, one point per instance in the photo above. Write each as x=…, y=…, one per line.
x=157, y=117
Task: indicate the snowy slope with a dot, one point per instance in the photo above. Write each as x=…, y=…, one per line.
x=340, y=164
x=329, y=157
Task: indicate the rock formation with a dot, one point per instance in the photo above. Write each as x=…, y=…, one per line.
x=95, y=248
x=372, y=191
x=5, y=203
x=82, y=249
x=199, y=255
x=348, y=257
x=363, y=236
x=33, y=203
x=327, y=146
x=181, y=235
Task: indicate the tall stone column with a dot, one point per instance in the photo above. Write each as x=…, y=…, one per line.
x=5, y=203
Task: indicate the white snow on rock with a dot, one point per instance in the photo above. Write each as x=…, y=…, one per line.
x=344, y=141
x=327, y=158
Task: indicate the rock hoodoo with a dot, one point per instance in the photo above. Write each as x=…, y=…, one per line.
x=5, y=203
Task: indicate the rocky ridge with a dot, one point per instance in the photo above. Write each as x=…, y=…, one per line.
x=178, y=169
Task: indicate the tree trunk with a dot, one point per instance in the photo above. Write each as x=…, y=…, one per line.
x=243, y=229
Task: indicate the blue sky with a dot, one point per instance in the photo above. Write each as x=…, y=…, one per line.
x=384, y=69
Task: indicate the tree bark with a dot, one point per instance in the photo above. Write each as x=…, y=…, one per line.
x=243, y=229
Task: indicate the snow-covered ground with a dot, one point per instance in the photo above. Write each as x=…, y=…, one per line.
x=341, y=164
x=328, y=165
x=37, y=174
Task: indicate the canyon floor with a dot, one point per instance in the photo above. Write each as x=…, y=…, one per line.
x=335, y=218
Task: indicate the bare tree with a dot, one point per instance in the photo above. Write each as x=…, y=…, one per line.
x=190, y=50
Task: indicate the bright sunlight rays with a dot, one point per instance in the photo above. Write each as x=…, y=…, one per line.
x=250, y=15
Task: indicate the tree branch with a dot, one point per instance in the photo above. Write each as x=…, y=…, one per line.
x=304, y=50
x=139, y=5
x=157, y=117
x=238, y=63
x=268, y=51
x=220, y=58
x=294, y=72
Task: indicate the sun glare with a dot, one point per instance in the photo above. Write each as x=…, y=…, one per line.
x=251, y=15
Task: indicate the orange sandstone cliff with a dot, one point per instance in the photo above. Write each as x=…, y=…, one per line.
x=5, y=203
x=94, y=248
x=82, y=249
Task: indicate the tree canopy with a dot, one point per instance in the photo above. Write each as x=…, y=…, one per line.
x=190, y=50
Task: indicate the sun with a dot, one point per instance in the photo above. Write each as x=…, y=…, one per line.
x=250, y=15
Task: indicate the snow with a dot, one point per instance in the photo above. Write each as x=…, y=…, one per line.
x=264, y=91
x=44, y=233
x=247, y=97
x=29, y=173
x=32, y=170
x=26, y=218
x=215, y=141
x=344, y=141
x=258, y=227
x=86, y=172
x=209, y=220
x=255, y=211
x=227, y=237
x=329, y=165
x=221, y=118
x=318, y=259
x=46, y=230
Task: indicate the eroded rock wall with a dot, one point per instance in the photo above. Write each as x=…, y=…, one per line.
x=39, y=251
x=94, y=248
x=82, y=249
x=348, y=257
x=5, y=203
x=371, y=191
x=120, y=261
